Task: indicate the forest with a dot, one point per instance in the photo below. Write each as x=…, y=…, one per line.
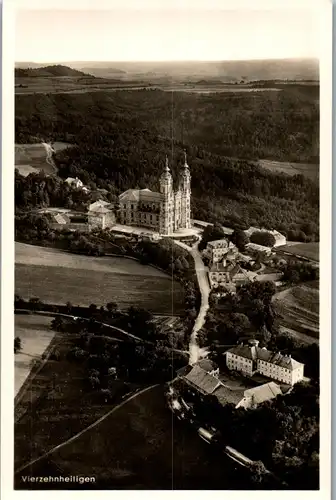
x=121, y=138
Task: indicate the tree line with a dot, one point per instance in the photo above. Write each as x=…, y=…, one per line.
x=121, y=140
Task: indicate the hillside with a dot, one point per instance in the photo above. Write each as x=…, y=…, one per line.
x=275, y=69
x=282, y=69
x=49, y=71
x=123, y=137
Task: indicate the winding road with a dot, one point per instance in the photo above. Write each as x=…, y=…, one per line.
x=196, y=352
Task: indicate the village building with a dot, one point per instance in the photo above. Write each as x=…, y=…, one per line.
x=227, y=275
x=251, y=359
x=76, y=183
x=219, y=249
x=204, y=379
x=101, y=215
x=165, y=211
x=257, y=250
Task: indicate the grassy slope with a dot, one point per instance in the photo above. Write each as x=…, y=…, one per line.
x=308, y=250
x=298, y=309
x=55, y=406
x=140, y=446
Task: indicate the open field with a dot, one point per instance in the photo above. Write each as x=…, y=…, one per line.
x=309, y=170
x=298, y=309
x=310, y=251
x=140, y=446
x=54, y=405
x=58, y=277
x=36, y=335
x=68, y=84
x=33, y=158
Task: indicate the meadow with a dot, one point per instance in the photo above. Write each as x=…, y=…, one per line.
x=31, y=158
x=53, y=405
x=310, y=251
x=36, y=335
x=298, y=311
x=309, y=170
x=59, y=277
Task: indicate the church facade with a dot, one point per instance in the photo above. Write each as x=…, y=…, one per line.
x=165, y=211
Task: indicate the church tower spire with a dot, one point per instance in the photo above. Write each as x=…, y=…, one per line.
x=166, y=204
x=185, y=179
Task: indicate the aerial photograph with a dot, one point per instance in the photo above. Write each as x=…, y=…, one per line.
x=167, y=249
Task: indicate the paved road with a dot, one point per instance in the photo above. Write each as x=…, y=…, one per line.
x=195, y=351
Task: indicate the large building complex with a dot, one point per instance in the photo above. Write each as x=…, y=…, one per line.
x=165, y=211
x=251, y=359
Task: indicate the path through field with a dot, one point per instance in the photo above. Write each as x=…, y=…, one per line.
x=139, y=446
x=37, y=157
x=195, y=351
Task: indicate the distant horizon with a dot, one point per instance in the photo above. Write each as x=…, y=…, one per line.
x=58, y=61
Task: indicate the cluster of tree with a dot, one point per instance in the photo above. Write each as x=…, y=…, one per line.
x=281, y=435
x=122, y=138
x=263, y=238
x=17, y=345
x=149, y=361
x=284, y=434
x=46, y=71
x=41, y=190
x=211, y=233
x=296, y=272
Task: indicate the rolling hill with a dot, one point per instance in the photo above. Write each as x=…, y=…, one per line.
x=57, y=70
x=228, y=71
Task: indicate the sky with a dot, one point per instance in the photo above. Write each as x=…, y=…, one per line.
x=164, y=35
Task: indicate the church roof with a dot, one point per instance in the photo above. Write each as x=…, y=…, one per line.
x=140, y=195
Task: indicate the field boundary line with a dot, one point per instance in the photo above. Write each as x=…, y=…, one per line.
x=91, y=426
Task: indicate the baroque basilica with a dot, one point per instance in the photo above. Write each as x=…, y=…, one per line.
x=165, y=211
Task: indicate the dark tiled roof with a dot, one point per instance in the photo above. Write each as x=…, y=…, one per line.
x=266, y=355
x=263, y=393
x=226, y=395
x=207, y=365
x=201, y=379
x=242, y=350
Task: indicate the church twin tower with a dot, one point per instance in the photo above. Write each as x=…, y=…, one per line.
x=165, y=211
x=175, y=205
